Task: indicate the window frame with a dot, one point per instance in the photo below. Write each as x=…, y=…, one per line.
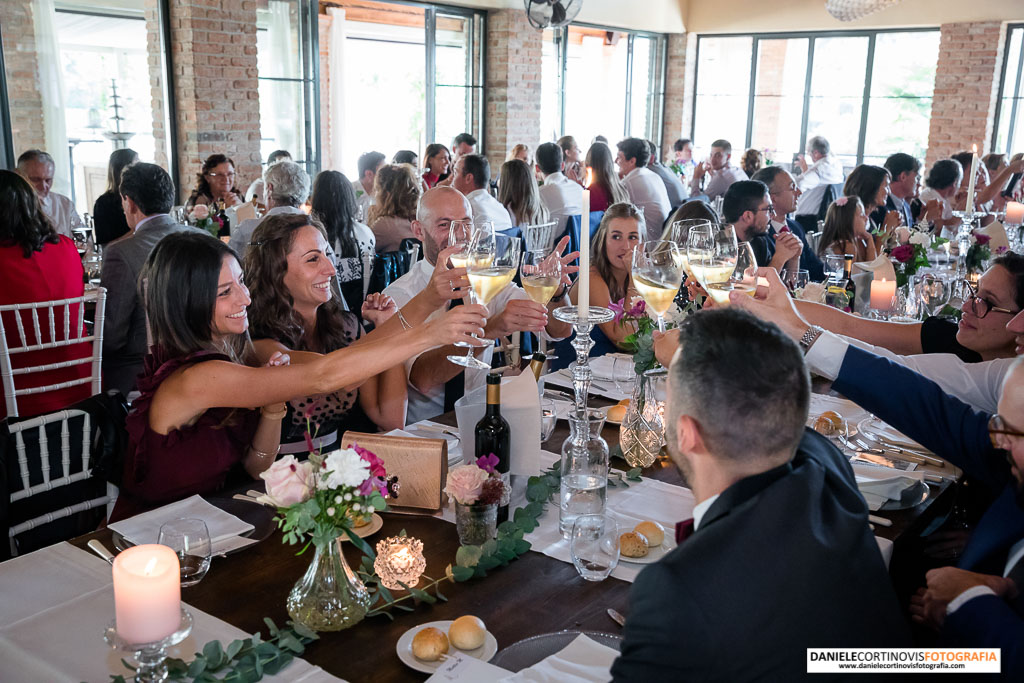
x=1018, y=91
x=811, y=36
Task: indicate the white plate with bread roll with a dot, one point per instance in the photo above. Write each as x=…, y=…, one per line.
x=425, y=652
x=645, y=543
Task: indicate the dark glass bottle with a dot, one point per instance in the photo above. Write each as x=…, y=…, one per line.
x=225, y=222
x=494, y=436
x=851, y=288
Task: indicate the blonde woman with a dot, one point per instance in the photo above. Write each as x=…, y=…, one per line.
x=396, y=192
x=518, y=192
x=521, y=152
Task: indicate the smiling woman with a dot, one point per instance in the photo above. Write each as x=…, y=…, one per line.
x=195, y=419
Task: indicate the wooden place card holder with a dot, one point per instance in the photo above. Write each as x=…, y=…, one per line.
x=420, y=464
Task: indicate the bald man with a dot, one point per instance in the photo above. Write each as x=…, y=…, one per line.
x=434, y=382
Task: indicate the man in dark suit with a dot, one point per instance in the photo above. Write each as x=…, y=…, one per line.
x=781, y=557
x=747, y=206
x=904, y=171
x=147, y=194
x=783, y=192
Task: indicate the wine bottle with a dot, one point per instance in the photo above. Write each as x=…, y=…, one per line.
x=494, y=436
x=537, y=364
x=225, y=222
x=851, y=288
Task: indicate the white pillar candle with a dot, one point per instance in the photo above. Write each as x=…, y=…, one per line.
x=1014, y=213
x=147, y=593
x=973, y=177
x=583, y=301
x=882, y=293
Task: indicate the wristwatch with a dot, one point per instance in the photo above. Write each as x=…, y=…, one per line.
x=810, y=336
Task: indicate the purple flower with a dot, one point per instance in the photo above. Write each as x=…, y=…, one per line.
x=618, y=308
x=1002, y=250
x=371, y=484
x=638, y=309
x=982, y=239
x=376, y=464
x=487, y=462
x=903, y=253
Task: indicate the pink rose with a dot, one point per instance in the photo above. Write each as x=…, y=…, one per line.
x=200, y=211
x=465, y=483
x=288, y=482
x=982, y=238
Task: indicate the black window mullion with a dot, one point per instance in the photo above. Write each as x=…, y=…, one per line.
x=1016, y=95
x=754, y=47
x=866, y=100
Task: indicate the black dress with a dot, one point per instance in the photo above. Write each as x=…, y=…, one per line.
x=938, y=335
x=108, y=218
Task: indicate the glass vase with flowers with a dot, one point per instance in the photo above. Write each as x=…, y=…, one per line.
x=477, y=489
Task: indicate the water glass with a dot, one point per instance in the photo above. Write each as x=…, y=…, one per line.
x=190, y=539
x=795, y=280
x=624, y=373
x=548, y=419
x=594, y=546
x=834, y=266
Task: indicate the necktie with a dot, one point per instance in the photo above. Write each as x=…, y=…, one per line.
x=456, y=386
x=684, y=530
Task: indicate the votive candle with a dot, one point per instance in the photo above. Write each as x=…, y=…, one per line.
x=882, y=293
x=1014, y=213
x=147, y=593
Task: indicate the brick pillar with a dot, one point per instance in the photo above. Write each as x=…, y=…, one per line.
x=23, y=91
x=966, y=85
x=675, y=94
x=215, y=87
x=513, y=84
x=324, y=28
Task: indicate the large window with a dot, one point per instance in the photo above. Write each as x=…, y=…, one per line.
x=868, y=92
x=599, y=81
x=426, y=60
x=1009, y=130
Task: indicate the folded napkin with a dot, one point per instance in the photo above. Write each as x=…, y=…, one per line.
x=997, y=235
x=598, y=387
x=879, y=485
x=584, y=660
x=881, y=267
x=520, y=406
x=602, y=366
x=223, y=526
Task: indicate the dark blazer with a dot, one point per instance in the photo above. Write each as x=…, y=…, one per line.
x=124, y=329
x=878, y=215
x=108, y=218
x=782, y=561
x=954, y=431
x=764, y=250
x=674, y=186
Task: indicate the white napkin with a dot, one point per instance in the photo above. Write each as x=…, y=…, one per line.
x=879, y=484
x=881, y=267
x=602, y=366
x=997, y=232
x=429, y=429
x=849, y=410
x=465, y=669
x=520, y=406
x=584, y=660
x=223, y=526
x=598, y=387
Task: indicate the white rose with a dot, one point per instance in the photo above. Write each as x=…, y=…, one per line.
x=674, y=315
x=345, y=468
x=922, y=238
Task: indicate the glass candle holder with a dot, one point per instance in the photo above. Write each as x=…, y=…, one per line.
x=399, y=561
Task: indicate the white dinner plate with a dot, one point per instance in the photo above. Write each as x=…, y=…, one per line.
x=404, y=647
x=654, y=554
x=376, y=522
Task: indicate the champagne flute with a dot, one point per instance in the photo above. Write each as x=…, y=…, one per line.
x=713, y=260
x=541, y=275
x=679, y=232
x=657, y=275
x=460, y=233
x=492, y=262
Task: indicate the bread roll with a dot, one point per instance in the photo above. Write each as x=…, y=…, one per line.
x=467, y=632
x=652, y=531
x=616, y=413
x=429, y=644
x=632, y=544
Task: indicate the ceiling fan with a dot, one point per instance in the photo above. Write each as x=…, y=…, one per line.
x=544, y=14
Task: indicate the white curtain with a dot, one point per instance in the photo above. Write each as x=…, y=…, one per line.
x=336, y=52
x=51, y=87
x=286, y=98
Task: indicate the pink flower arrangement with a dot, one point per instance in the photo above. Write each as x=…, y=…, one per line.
x=619, y=309
x=903, y=253
x=288, y=482
x=465, y=483
x=200, y=212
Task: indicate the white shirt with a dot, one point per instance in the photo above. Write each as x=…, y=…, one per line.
x=827, y=170
x=487, y=208
x=62, y=212
x=241, y=234
x=701, y=508
x=562, y=198
x=647, y=190
x=718, y=181
x=364, y=199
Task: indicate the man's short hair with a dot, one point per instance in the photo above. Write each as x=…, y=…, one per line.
x=943, y=174
x=149, y=186
x=549, y=158
x=635, y=148
x=742, y=196
x=901, y=163
x=819, y=144
x=277, y=155
x=652, y=150
x=405, y=156
x=30, y=155
x=464, y=138
x=680, y=144
x=768, y=174
x=287, y=183
x=723, y=145
x=601, y=138
x=369, y=162
x=477, y=165
x=743, y=381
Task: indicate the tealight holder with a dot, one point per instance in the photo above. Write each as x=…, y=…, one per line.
x=582, y=375
x=399, y=561
x=151, y=658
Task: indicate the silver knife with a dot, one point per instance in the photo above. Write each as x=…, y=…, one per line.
x=617, y=617
x=100, y=550
x=927, y=458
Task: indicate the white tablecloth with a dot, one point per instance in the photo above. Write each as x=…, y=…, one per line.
x=56, y=604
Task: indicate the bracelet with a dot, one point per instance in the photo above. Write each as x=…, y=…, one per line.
x=261, y=455
x=810, y=336
x=401, y=319
x=275, y=414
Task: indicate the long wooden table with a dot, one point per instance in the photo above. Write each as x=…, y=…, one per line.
x=533, y=595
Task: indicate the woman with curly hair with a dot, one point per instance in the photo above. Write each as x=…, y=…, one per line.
x=296, y=307
x=215, y=183
x=396, y=193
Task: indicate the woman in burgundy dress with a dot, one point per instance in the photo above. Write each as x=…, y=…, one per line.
x=605, y=187
x=203, y=407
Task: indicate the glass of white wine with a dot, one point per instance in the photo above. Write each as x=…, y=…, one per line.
x=491, y=264
x=541, y=276
x=657, y=274
x=460, y=233
x=713, y=262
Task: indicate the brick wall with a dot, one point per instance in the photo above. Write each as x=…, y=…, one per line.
x=22, y=75
x=513, y=84
x=155, y=63
x=966, y=84
x=213, y=51
x=675, y=94
x=325, y=91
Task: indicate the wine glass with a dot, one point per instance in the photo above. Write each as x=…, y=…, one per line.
x=933, y=291
x=714, y=262
x=657, y=274
x=835, y=266
x=459, y=234
x=795, y=280
x=594, y=546
x=190, y=540
x=491, y=264
x=679, y=231
x=541, y=276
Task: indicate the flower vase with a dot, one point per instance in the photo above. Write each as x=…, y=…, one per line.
x=329, y=596
x=642, y=432
x=476, y=524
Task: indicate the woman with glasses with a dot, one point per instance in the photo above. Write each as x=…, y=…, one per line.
x=215, y=183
